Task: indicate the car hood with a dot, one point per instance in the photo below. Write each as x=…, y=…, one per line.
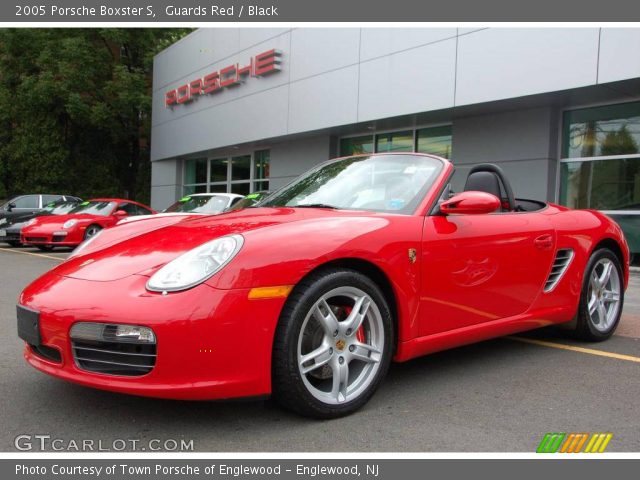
x=146, y=252
x=57, y=221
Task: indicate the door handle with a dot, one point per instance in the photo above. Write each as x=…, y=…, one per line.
x=544, y=242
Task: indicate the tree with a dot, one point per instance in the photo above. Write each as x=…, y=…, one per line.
x=75, y=109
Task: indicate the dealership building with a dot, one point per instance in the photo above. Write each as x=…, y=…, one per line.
x=245, y=109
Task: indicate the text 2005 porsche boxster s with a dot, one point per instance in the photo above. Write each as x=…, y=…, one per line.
x=310, y=296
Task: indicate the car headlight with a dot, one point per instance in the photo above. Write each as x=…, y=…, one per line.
x=84, y=245
x=69, y=223
x=195, y=266
x=30, y=222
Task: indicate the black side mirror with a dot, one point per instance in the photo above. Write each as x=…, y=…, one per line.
x=11, y=206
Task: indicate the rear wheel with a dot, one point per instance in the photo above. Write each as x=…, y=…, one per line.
x=333, y=344
x=91, y=231
x=602, y=297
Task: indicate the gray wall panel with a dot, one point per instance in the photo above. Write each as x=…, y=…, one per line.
x=290, y=159
x=163, y=196
x=515, y=135
x=377, y=42
x=318, y=50
x=619, y=54
x=324, y=100
x=415, y=80
x=503, y=63
x=258, y=116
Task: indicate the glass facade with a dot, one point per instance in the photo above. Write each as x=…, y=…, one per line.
x=432, y=140
x=240, y=174
x=395, y=142
x=600, y=168
x=356, y=145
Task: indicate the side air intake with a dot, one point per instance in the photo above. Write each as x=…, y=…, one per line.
x=560, y=265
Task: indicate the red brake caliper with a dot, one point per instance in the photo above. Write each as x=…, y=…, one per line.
x=360, y=332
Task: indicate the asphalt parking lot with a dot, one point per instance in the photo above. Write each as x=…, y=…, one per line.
x=500, y=395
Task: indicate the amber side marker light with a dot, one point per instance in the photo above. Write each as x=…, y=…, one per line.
x=270, y=292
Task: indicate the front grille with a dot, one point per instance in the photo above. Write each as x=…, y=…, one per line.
x=47, y=353
x=96, y=348
x=36, y=239
x=560, y=265
x=58, y=238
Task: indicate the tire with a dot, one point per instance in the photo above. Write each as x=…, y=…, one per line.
x=359, y=349
x=91, y=231
x=45, y=248
x=15, y=244
x=606, y=311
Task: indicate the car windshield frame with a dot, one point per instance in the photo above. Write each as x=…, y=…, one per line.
x=87, y=208
x=281, y=199
x=188, y=198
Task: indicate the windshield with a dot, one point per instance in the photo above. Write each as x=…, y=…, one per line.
x=60, y=208
x=251, y=200
x=382, y=183
x=95, y=208
x=200, y=204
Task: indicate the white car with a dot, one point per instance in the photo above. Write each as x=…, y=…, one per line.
x=195, y=204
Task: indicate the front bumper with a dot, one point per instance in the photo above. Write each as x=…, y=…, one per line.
x=10, y=234
x=34, y=236
x=211, y=343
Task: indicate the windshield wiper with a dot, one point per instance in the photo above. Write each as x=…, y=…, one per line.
x=316, y=205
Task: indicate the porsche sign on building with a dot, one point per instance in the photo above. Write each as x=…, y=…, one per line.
x=241, y=109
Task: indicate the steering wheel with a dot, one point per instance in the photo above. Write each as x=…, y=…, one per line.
x=490, y=167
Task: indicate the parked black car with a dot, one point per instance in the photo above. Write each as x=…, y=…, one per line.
x=29, y=204
x=10, y=226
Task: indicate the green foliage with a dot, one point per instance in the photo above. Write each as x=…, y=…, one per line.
x=75, y=110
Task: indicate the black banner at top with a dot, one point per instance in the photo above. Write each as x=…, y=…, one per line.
x=181, y=11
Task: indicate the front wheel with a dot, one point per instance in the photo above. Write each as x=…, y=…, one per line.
x=333, y=344
x=91, y=231
x=602, y=297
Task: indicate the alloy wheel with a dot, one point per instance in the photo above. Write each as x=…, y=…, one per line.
x=604, y=295
x=340, y=345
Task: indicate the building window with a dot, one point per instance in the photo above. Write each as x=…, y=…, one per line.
x=432, y=140
x=600, y=168
x=435, y=141
x=240, y=174
x=395, y=142
x=356, y=145
x=261, y=170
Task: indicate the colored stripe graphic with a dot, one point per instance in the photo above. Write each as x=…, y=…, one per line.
x=558, y=442
x=598, y=442
x=574, y=442
x=550, y=443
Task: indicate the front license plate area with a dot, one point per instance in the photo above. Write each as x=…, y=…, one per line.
x=28, y=325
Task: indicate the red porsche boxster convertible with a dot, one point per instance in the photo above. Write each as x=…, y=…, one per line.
x=310, y=296
x=80, y=224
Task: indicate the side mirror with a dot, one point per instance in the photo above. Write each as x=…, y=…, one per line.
x=11, y=206
x=470, y=203
x=120, y=213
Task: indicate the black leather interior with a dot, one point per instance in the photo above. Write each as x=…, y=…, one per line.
x=483, y=182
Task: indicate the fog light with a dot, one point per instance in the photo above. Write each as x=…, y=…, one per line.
x=110, y=332
x=133, y=332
